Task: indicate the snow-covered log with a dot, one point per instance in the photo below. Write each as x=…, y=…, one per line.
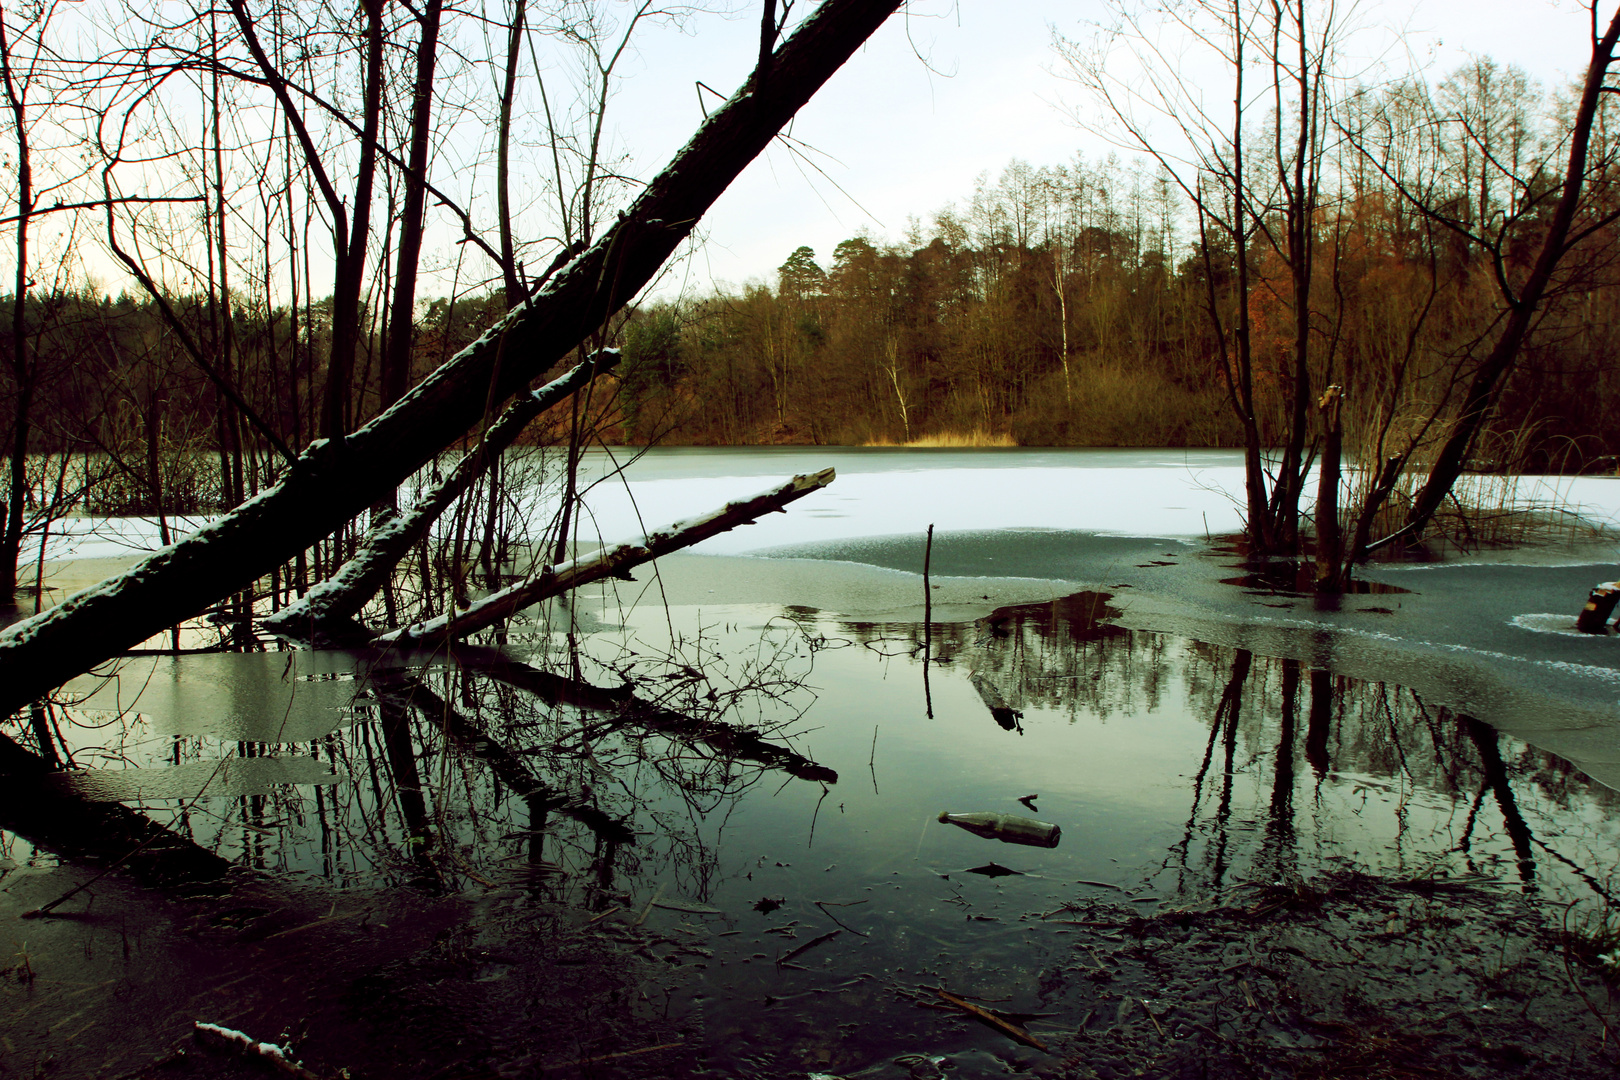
x=608, y=562
x=329, y=605
x=276, y=1057
x=333, y=481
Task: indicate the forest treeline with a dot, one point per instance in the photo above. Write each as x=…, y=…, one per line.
x=1064, y=305
x=1070, y=306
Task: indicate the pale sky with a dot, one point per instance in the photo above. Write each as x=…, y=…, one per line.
x=944, y=92
x=902, y=139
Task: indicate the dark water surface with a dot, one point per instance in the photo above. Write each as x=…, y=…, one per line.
x=778, y=779
x=734, y=769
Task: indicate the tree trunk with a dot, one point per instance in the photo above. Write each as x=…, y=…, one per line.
x=1487, y=383
x=323, y=612
x=396, y=364
x=515, y=292
x=335, y=479
x=351, y=254
x=1329, y=538
x=22, y=371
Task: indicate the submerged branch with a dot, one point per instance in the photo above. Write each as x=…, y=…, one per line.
x=609, y=562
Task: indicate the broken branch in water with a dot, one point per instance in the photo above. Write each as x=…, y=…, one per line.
x=807, y=946
x=1006, y=1027
x=608, y=562
x=613, y=1057
x=825, y=904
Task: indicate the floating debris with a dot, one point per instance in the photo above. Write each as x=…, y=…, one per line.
x=1008, y=828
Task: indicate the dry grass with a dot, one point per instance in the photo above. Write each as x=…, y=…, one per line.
x=974, y=438
x=1483, y=511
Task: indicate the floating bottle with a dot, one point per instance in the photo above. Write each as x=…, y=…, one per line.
x=1008, y=828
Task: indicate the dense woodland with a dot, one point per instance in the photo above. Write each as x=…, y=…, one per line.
x=1067, y=306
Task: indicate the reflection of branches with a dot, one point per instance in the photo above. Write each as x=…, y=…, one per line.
x=624, y=710
x=1484, y=738
x=474, y=740
x=1224, y=722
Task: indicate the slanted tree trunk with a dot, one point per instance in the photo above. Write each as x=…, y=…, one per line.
x=336, y=479
x=327, y=610
x=68, y=824
x=1487, y=382
x=615, y=561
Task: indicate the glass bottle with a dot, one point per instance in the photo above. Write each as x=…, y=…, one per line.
x=1008, y=828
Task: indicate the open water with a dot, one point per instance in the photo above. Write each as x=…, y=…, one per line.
x=773, y=794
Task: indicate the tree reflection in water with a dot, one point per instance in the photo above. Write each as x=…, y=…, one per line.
x=601, y=766
x=1271, y=802
x=487, y=771
x=682, y=770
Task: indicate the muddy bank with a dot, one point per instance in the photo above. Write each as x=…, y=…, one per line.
x=366, y=984
x=1347, y=976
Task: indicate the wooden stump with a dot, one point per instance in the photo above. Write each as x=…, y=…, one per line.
x=1600, y=605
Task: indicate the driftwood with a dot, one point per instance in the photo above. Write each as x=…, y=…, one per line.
x=334, y=481
x=326, y=610
x=1001, y=1024
x=609, y=562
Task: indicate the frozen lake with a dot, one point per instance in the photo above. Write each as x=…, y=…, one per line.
x=885, y=491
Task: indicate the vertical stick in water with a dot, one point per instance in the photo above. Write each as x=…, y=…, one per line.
x=928, y=621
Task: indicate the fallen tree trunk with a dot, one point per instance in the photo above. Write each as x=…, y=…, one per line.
x=609, y=562
x=333, y=481
x=327, y=611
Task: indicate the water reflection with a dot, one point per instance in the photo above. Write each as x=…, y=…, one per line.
x=1297, y=769
x=692, y=769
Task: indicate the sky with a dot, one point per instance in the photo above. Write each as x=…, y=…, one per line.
x=945, y=92
x=958, y=88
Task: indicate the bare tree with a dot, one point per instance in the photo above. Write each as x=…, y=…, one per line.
x=1209, y=157
x=1575, y=218
x=334, y=480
